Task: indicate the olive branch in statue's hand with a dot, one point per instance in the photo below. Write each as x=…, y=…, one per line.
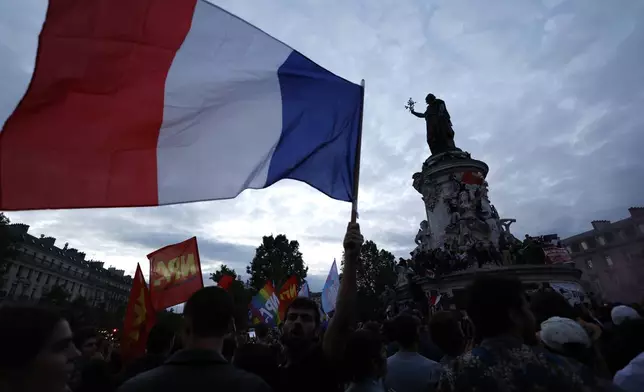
x=410, y=105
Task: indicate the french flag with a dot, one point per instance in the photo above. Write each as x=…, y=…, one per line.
x=151, y=102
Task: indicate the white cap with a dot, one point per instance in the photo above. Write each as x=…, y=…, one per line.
x=621, y=313
x=557, y=331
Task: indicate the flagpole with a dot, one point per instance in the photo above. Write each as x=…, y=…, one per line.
x=356, y=167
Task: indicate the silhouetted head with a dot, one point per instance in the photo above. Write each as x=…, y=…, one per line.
x=208, y=313
x=430, y=98
x=498, y=306
x=365, y=356
x=406, y=329
x=160, y=340
x=86, y=341
x=547, y=304
x=447, y=334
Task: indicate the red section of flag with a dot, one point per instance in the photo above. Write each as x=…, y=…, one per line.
x=286, y=295
x=175, y=273
x=85, y=133
x=139, y=319
x=225, y=282
x=434, y=300
x=474, y=178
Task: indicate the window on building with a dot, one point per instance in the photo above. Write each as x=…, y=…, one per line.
x=589, y=264
x=621, y=234
x=568, y=248
x=38, y=276
x=29, y=272
x=641, y=227
x=592, y=243
x=601, y=240
x=609, y=261
x=584, y=245
x=630, y=231
x=12, y=291
x=48, y=279
x=610, y=237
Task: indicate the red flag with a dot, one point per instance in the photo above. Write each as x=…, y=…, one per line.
x=287, y=294
x=175, y=273
x=225, y=282
x=139, y=318
x=474, y=178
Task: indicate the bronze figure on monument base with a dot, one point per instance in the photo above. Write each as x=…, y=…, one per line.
x=440, y=135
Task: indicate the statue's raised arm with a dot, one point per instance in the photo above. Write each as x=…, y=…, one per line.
x=410, y=106
x=440, y=136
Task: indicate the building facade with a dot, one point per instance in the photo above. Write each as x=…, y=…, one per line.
x=37, y=265
x=611, y=257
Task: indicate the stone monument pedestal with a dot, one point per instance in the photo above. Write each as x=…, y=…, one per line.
x=451, y=287
x=459, y=212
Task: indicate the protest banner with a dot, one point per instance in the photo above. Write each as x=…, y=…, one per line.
x=264, y=306
x=287, y=294
x=557, y=255
x=175, y=273
x=140, y=317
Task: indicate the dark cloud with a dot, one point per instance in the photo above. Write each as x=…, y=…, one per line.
x=234, y=255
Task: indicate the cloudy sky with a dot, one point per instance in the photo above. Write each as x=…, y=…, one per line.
x=549, y=93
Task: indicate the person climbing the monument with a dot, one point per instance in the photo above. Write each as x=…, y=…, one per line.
x=440, y=136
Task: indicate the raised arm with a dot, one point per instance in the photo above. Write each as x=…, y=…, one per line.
x=345, y=305
x=421, y=115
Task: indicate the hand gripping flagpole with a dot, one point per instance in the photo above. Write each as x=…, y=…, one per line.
x=356, y=167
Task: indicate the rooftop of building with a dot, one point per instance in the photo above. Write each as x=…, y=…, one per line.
x=20, y=233
x=601, y=226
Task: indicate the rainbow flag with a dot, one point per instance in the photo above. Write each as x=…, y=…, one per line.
x=264, y=307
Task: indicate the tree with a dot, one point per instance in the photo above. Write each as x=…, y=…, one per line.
x=241, y=293
x=376, y=273
x=276, y=259
x=57, y=296
x=223, y=270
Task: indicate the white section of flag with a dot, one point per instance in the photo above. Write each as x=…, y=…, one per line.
x=304, y=291
x=222, y=97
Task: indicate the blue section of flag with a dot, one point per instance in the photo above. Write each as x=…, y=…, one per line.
x=320, y=125
x=330, y=290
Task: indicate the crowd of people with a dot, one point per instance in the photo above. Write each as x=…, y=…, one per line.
x=453, y=258
x=503, y=341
